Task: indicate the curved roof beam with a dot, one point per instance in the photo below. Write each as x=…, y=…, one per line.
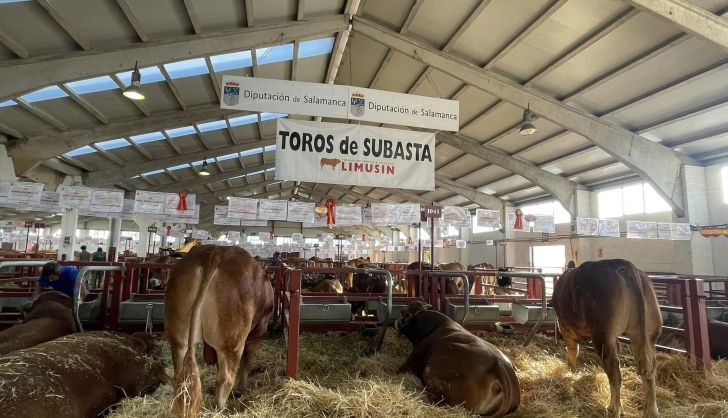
x=33, y=73
x=202, y=180
x=655, y=163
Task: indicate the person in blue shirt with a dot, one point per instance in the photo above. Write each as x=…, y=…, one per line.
x=276, y=259
x=60, y=278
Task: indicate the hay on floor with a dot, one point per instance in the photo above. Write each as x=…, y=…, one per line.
x=336, y=379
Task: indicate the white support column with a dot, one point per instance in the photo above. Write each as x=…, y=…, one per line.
x=143, y=221
x=69, y=222
x=114, y=237
x=699, y=252
x=7, y=170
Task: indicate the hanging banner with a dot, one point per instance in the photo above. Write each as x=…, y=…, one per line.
x=272, y=210
x=248, y=222
x=149, y=202
x=172, y=203
x=407, y=213
x=609, y=227
x=485, y=218
x=664, y=230
x=107, y=201
x=383, y=214
x=713, y=231
x=367, y=216
x=300, y=212
x=544, y=224
x=243, y=208
x=200, y=234
x=186, y=217
x=587, y=226
x=642, y=230
x=338, y=101
x=681, y=232
x=49, y=202
x=220, y=217
x=354, y=155
x=76, y=197
x=456, y=216
x=20, y=192
x=347, y=215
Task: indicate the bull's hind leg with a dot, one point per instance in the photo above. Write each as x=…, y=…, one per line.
x=572, y=350
x=251, y=347
x=644, y=355
x=607, y=349
x=228, y=361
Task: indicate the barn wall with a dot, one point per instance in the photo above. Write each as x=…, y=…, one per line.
x=718, y=215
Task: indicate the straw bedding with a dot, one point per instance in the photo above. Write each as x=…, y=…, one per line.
x=336, y=379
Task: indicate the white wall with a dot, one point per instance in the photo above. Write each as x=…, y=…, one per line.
x=718, y=215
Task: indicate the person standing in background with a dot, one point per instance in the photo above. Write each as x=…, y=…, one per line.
x=84, y=255
x=100, y=256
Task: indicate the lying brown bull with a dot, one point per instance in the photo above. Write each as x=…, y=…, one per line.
x=456, y=366
x=48, y=317
x=219, y=296
x=718, y=332
x=328, y=286
x=78, y=375
x=601, y=300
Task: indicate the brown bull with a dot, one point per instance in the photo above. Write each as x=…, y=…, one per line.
x=328, y=286
x=718, y=332
x=355, y=263
x=332, y=162
x=78, y=376
x=219, y=296
x=48, y=317
x=456, y=366
x=601, y=300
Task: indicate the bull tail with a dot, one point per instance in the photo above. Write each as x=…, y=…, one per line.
x=633, y=279
x=190, y=401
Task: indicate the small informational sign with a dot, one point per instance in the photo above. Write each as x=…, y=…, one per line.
x=664, y=230
x=587, y=226
x=456, y=216
x=431, y=211
x=273, y=210
x=485, y=218
x=347, y=215
x=243, y=208
x=107, y=201
x=407, y=213
x=20, y=192
x=220, y=217
x=300, y=212
x=609, y=227
x=149, y=202
x=28, y=224
x=544, y=224
x=383, y=214
x=681, y=232
x=461, y=243
x=200, y=234
x=76, y=197
x=152, y=229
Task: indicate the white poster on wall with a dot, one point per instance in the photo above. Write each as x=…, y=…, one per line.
x=243, y=208
x=272, y=210
x=383, y=214
x=456, y=216
x=347, y=215
x=642, y=230
x=49, y=202
x=664, y=230
x=220, y=217
x=149, y=202
x=354, y=155
x=587, y=226
x=200, y=234
x=338, y=101
x=681, y=232
x=407, y=213
x=23, y=192
x=76, y=197
x=300, y=212
x=609, y=227
x=544, y=224
x=485, y=218
x=107, y=201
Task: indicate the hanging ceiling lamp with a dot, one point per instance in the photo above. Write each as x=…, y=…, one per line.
x=204, y=171
x=134, y=91
x=527, y=126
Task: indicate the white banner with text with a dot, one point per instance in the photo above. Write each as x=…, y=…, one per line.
x=355, y=155
x=337, y=101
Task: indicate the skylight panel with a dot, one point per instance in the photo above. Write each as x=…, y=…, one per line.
x=267, y=170
x=46, y=93
x=153, y=172
x=232, y=61
x=273, y=54
x=269, y=116
x=113, y=144
x=178, y=167
x=315, y=47
x=8, y=103
x=251, y=152
x=228, y=157
x=209, y=161
x=187, y=68
x=185, y=130
x=256, y=172
x=212, y=126
x=243, y=120
x=92, y=85
x=149, y=75
x=13, y=1
x=269, y=148
x=80, y=151
x=150, y=137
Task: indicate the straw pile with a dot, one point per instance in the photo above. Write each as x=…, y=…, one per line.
x=336, y=379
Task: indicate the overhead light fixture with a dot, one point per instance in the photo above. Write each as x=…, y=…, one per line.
x=134, y=91
x=527, y=126
x=204, y=171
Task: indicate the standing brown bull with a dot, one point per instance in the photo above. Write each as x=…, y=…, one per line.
x=601, y=300
x=48, y=317
x=456, y=366
x=333, y=162
x=219, y=296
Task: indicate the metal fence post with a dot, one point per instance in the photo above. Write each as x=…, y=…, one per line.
x=696, y=322
x=293, y=324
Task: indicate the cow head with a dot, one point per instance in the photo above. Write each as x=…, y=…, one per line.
x=145, y=344
x=417, y=321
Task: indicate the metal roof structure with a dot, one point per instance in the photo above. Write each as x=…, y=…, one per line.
x=622, y=90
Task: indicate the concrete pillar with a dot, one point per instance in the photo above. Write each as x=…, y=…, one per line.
x=143, y=221
x=7, y=172
x=698, y=251
x=114, y=238
x=69, y=223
